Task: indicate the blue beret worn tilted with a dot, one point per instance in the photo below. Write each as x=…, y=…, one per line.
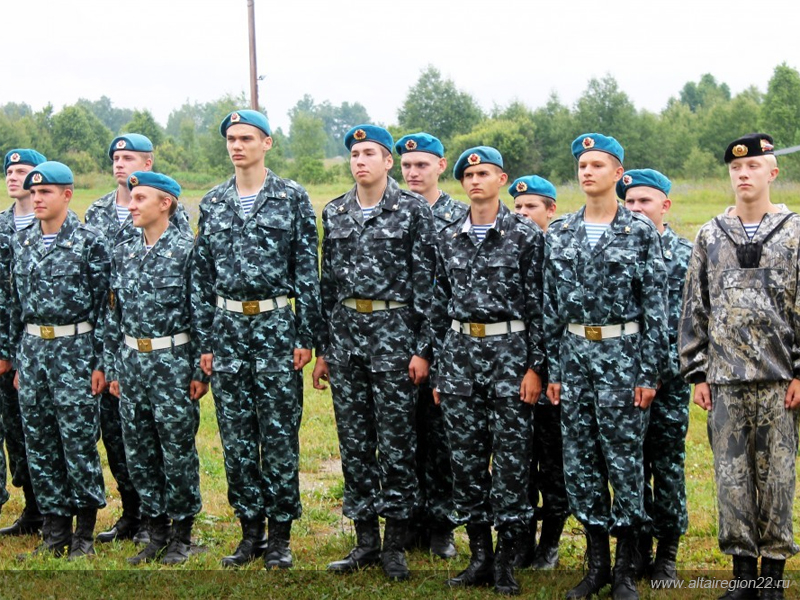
x=158, y=181
x=420, y=142
x=597, y=141
x=23, y=156
x=245, y=117
x=49, y=173
x=480, y=155
x=532, y=184
x=643, y=178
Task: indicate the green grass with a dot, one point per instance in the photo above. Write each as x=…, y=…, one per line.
x=322, y=535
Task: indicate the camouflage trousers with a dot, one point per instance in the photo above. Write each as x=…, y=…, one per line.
x=664, y=458
x=754, y=440
x=547, y=466
x=159, y=425
x=603, y=432
x=374, y=402
x=12, y=428
x=259, y=405
x=3, y=468
x=61, y=421
x=111, y=434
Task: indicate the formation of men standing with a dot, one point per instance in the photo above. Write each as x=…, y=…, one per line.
x=477, y=358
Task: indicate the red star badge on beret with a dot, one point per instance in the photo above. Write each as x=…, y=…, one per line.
x=235, y=118
x=37, y=178
x=474, y=159
x=411, y=145
x=14, y=157
x=360, y=134
x=588, y=142
x=522, y=187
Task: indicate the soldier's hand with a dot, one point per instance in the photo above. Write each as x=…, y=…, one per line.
x=437, y=398
x=5, y=366
x=206, y=361
x=113, y=388
x=554, y=393
x=793, y=395
x=98, y=382
x=702, y=395
x=418, y=369
x=16, y=381
x=197, y=389
x=643, y=397
x=531, y=388
x=302, y=357
x=320, y=374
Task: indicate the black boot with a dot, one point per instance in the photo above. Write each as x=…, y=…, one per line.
x=30, y=521
x=418, y=536
x=278, y=555
x=180, y=542
x=56, y=537
x=367, y=551
x=159, y=530
x=664, y=568
x=442, y=543
x=252, y=546
x=643, y=559
x=504, y=582
x=393, y=556
x=526, y=547
x=624, y=585
x=598, y=553
x=142, y=537
x=128, y=524
x=82, y=544
x=480, y=570
x=745, y=571
x=772, y=574
x=546, y=556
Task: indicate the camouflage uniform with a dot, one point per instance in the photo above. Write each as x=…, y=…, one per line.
x=547, y=466
x=64, y=285
x=479, y=378
x=390, y=257
x=622, y=279
x=746, y=346
x=151, y=299
x=258, y=395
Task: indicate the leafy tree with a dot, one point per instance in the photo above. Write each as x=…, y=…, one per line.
x=701, y=164
x=307, y=141
x=103, y=109
x=780, y=116
x=513, y=138
x=705, y=93
x=606, y=109
x=76, y=130
x=143, y=122
x=555, y=130
x=726, y=121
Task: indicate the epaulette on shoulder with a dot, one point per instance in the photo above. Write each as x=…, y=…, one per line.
x=644, y=220
x=684, y=242
x=413, y=196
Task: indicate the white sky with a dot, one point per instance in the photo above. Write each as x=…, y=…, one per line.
x=157, y=54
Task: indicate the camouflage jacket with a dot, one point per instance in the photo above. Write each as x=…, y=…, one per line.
x=150, y=294
x=102, y=215
x=8, y=231
x=499, y=279
x=621, y=279
x=447, y=210
x=742, y=325
x=676, y=252
x=65, y=285
x=270, y=253
x=390, y=256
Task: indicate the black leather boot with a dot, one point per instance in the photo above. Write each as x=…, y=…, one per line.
x=30, y=521
x=252, y=546
x=664, y=567
x=526, y=547
x=393, y=555
x=180, y=542
x=128, y=524
x=745, y=571
x=643, y=559
x=142, y=536
x=546, y=555
x=367, y=551
x=56, y=537
x=480, y=570
x=504, y=581
x=442, y=543
x=624, y=585
x=159, y=530
x=598, y=551
x=278, y=555
x=82, y=544
x=772, y=574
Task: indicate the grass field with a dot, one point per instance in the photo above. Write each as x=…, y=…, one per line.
x=322, y=534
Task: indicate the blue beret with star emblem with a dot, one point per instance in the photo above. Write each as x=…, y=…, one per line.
x=752, y=144
x=597, y=141
x=420, y=142
x=245, y=117
x=158, y=181
x=23, y=156
x=480, y=155
x=49, y=173
x=643, y=178
x=532, y=184
x=132, y=142
x=368, y=133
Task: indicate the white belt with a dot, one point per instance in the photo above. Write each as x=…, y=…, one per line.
x=253, y=307
x=51, y=332
x=486, y=329
x=159, y=343
x=368, y=306
x=598, y=333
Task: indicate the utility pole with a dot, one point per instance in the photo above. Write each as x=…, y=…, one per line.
x=251, y=21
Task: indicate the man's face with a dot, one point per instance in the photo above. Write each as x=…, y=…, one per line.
x=15, y=177
x=536, y=208
x=750, y=177
x=598, y=172
x=650, y=202
x=50, y=201
x=369, y=162
x=126, y=162
x=147, y=206
x=483, y=182
x=421, y=171
x=247, y=145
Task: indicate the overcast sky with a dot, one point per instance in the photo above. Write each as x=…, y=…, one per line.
x=155, y=55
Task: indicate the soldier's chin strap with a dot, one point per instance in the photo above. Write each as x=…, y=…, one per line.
x=749, y=253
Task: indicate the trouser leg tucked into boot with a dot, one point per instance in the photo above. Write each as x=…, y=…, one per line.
x=624, y=585
x=83, y=539
x=598, y=575
x=442, y=543
x=278, y=555
x=643, y=558
x=393, y=555
x=664, y=567
x=480, y=570
x=159, y=530
x=56, y=537
x=526, y=547
x=745, y=571
x=772, y=575
x=252, y=545
x=504, y=581
x=30, y=521
x=546, y=556
x=180, y=542
x=367, y=551
x=128, y=524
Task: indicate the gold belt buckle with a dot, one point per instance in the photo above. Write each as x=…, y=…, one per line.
x=145, y=344
x=364, y=306
x=593, y=333
x=47, y=332
x=477, y=330
x=251, y=308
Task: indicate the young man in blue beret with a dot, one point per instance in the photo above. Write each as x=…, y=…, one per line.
x=422, y=161
x=60, y=287
x=646, y=191
x=534, y=198
x=605, y=295
x=16, y=166
x=256, y=249
x=489, y=365
x=740, y=347
x=378, y=261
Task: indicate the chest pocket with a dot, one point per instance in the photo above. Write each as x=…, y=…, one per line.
x=562, y=263
x=621, y=264
x=389, y=233
x=218, y=222
x=340, y=240
x=66, y=268
x=168, y=290
x=274, y=216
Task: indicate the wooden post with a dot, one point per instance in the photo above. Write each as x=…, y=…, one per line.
x=251, y=20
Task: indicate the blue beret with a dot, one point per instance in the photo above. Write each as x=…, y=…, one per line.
x=597, y=141
x=643, y=178
x=420, y=142
x=480, y=155
x=245, y=117
x=158, y=181
x=132, y=142
x=23, y=156
x=368, y=133
x=49, y=173
x=532, y=184
x=752, y=144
